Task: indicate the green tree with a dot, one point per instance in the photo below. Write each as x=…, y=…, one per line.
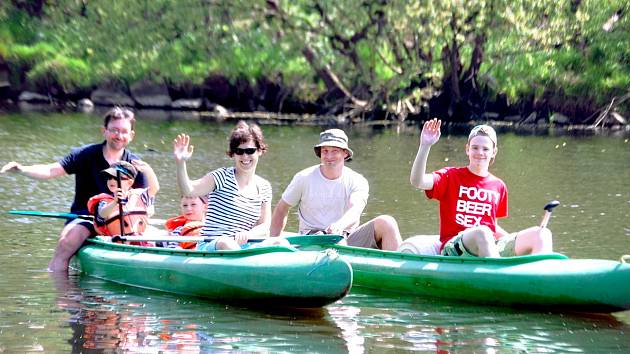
x=351, y=57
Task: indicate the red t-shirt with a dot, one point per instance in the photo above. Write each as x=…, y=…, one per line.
x=467, y=200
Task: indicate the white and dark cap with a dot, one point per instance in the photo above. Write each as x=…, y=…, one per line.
x=124, y=167
x=483, y=130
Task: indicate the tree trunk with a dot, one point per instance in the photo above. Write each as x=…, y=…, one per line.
x=476, y=59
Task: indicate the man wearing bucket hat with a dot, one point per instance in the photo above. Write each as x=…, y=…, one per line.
x=331, y=197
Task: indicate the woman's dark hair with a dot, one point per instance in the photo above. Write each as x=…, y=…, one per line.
x=243, y=133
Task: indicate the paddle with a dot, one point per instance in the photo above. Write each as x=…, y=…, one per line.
x=69, y=216
x=548, y=209
x=120, y=204
x=44, y=214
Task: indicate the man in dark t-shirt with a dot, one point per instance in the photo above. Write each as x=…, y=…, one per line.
x=85, y=163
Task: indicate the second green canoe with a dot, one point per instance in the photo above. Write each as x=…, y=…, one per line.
x=552, y=281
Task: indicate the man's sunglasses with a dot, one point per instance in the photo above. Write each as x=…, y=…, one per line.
x=248, y=151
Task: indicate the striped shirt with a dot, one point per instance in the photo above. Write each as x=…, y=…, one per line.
x=229, y=211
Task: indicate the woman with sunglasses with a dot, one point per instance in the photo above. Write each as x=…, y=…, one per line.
x=472, y=199
x=239, y=201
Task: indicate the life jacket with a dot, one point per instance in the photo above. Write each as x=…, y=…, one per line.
x=188, y=228
x=135, y=216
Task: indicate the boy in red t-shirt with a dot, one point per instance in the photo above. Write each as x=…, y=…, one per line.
x=472, y=199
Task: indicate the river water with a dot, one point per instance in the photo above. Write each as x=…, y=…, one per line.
x=39, y=312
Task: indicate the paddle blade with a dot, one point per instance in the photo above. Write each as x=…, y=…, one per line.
x=68, y=216
x=552, y=204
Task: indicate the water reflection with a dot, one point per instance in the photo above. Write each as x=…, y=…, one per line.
x=370, y=320
x=113, y=318
x=86, y=312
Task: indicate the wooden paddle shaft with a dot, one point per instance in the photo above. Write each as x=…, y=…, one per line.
x=548, y=209
x=545, y=219
x=120, y=204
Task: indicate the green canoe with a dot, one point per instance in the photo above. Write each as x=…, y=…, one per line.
x=276, y=275
x=550, y=281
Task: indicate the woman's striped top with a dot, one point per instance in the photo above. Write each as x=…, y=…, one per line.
x=229, y=211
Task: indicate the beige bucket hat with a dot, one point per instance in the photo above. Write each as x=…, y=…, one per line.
x=335, y=138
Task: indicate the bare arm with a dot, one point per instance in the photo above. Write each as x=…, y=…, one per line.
x=40, y=171
x=419, y=177
x=430, y=135
x=349, y=218
x=183, y=151
x=106, y=210
x=145, y=168
x=279, y=218
x=262, y=226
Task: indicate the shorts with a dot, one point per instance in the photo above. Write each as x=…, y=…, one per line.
x=207, y=246
x=455, y=246
x=363, y=236
x=85, y=223
x=212, y=245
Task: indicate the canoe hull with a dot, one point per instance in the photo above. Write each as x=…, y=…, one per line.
x=552, y=281
x=269, y=275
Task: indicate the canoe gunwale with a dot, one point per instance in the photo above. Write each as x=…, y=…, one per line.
x=296, y=241
x=374, y=253
x=189, y=252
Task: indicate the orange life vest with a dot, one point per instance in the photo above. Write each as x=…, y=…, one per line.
x=135, y=217
x=189, y=228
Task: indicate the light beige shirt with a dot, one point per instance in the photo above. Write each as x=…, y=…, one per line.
x=323, y=201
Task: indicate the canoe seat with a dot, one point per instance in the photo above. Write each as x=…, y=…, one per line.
x=428, y=245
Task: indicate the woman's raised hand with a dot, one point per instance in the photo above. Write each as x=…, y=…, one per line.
x=181, y=148
x=430, y=132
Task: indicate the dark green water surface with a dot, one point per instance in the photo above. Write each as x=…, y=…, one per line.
x=590, y=175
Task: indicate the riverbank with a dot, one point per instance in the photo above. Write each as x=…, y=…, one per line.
x=280, y=119
x=147, y=96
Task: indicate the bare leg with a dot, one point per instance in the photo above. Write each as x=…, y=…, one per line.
x=71, y=238
x=533, y=240
x=386, y=233
x=480, y=241
x=227, y=243
x=275, y=241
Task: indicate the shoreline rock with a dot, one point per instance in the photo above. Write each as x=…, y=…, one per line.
x=151, y=95
x=279, y=119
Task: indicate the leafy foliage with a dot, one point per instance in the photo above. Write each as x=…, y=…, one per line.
x=358, y=54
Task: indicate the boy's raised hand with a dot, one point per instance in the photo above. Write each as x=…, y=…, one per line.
x=11, y=167
x=181, y=148
x=430, y=132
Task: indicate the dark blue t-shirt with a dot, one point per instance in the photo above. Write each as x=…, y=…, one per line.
x=86, y=163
